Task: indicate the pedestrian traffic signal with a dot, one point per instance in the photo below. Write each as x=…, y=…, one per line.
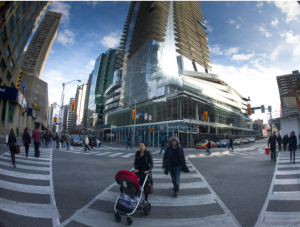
x=262, y=107
x=249, y=110
x=152, y=129
x=133, y=114
x=205, y=118
x=23, y=112
x=19, y=79
x=73, y=107
x=269, y=109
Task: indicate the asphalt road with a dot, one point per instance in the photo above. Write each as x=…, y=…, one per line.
x=77, y=188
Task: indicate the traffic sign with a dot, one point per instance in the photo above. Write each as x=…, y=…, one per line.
x=23, y=85
x=140, y=114
x=150, y=117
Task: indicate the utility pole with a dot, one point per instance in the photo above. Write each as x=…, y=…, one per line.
x=134, y=122
x=21, y=108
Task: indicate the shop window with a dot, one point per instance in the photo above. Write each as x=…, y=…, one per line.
x=12, y=22
x=7, y=51
x=3, y=110
x=8, y=76
x=2, y=65
x=13, y=40
x=10, y=113
x=3, y=35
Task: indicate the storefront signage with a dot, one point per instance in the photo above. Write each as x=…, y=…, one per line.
x=31, y=112
x=182, y=127
x=11, y=94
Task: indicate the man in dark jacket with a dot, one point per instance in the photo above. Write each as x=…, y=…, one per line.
x=57, y=140
x=230, y=144
x=26, y=140
x=162, y=146
x=272, y=142
x=91, y=141
x=37, y=135
x=293, y=146
x=174, y=162
x=279, y=140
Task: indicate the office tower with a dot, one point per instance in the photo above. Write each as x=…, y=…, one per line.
x=70, y=117
x=104, y=68
x=79, y=105
x=163, y=66
x=39, y=48
x=86, y=101
x=65, y=118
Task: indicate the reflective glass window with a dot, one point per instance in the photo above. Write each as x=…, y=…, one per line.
x=23, y=23
x=3, y=35
x=31, y=24
x=24, y=7
x=27, y=30
x=16, y=53
x=18, y=13
x=7, y=51
x=13, y=40
x=8, y=76
x=20, y=45
x=11, y=22
x=28, y=15
x=32, y=9
x=23, y=38
x=12, y=64
x=18, y=31
x=11, y=7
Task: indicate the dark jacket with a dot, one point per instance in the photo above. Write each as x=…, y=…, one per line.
x=128, y=141
x=272, y=141
x=144, y=163
x=230, y=141
x=293, y=143
x=168, y=159
x=208, y=145
x=57, y=138
x=11, y=140
x=279, y=139
x=26, y=138
x=162, y=143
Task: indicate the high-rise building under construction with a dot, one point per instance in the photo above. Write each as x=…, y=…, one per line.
x=163, y=68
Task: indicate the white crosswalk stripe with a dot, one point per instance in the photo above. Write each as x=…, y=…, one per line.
x=91, y=217
x=42, y=176
x=269, y=217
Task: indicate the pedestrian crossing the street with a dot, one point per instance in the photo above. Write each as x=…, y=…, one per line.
x=196, y=195
x=31, y=177
x=281, y=207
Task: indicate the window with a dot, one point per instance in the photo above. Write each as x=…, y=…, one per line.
x=13, y=40
x=18, y=13
x=27, y=31
x=3, y=110
x=10, y=113
x=11, y=7
x=11, y=23
x=16, y=53
x=12, y=64
x=28, y=15
x=18, y=32
x=3, y=35
x=32, y=9
x=29, y=2
x=23, y=7
x=2, y=65
x=23, y=23
x=7, y=51
x=31, y=24
x=23, y=38
x=8, y=76
x=20, y=45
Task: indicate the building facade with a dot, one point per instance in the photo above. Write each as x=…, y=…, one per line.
x=65, y=118
x=17, y=23
x=163, y=70
x=102, y=78
x=69, y=121
x=79, y=105
x=86, y=103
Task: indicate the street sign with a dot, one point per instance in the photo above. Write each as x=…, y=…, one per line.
x=137, y=116
x=140, y=114
x=110, y=134
x=145, y=116
x=23, y=85
x=150, y=117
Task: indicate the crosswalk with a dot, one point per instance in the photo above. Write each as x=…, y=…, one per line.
x=281, y=207
x=31, y=177
x=195, y=194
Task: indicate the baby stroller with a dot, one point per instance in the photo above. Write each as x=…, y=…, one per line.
x=130, y=198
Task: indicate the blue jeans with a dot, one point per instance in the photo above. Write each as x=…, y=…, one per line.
x=36, y=149
x=175, y=174
x=68, y=145
x=162, y=147
x=86, y=147
x=208, y=150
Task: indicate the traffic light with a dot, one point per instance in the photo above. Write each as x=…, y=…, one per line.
x=133, y=114
x=19, y=79
x=152, y=129
x=73, y=107
x=262, y=107
x=205, y=116
x=55, y=119
x=269, y=109
x=23, y=112
x=249, y=110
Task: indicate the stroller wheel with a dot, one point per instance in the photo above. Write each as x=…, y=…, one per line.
x=147, y=209
x=129, y=220
x=118, y=217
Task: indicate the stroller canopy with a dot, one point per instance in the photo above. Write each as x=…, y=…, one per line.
x=127, y=175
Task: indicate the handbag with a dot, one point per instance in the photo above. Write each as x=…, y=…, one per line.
x=17, y=150
x=148, y=186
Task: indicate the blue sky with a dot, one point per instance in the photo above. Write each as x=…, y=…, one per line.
x=250, y=43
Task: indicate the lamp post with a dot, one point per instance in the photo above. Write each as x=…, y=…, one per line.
x=62, y=100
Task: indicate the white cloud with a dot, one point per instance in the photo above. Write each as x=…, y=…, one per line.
x=209, y=28
x=264, y=31
x=93, y=3
x=259, y=5
x=90, y=65
x=64, y=8
x=66, y=37
x=260, y=11
x=238, y=26
x=274, y=22
x=231, y=22
x=112, y=40
x=242, y=57
x=216, y=50
x=241, y=19
x=291, y=8
x=231, y=50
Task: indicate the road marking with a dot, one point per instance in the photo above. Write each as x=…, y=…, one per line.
x=128, y=155
x=116, y=154
x=25, y=188
x=287, y=181
x=182, y=185
x=25, y=175
x=23, y=157
x=26, y=161
x=288, y=172
x=111, y=148
x=26, y=167
x=104, y=153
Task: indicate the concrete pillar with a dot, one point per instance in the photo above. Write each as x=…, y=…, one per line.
x=196, y=112
x=208, y=129
x=180, y=108
x=216, y=130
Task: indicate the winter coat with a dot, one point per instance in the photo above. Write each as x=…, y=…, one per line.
x=37, y=135
x=168, y=159
x=230, y=141
x=86, y=141
x=272, y=141
x=143, y=166
x=208, y=145
x=57, y=138
x=162, y=143
x=293, y=143
x=67, y=140
x=11, y=140
x=26, y=138
x=279, y=139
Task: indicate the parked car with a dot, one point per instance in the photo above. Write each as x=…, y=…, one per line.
x=218, y=142
x=76, y=141
x=246, y=140
x=203, y=144
x=224, y=143
x=238, y=142
x=252, y=140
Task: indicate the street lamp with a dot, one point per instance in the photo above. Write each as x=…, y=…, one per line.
x=62, y=99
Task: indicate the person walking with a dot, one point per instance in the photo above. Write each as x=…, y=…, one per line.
x=143, y=164
x=162, y=146
x=284, y=142
x=230, y=144
x=86, y=143
x=42, y=137
x=97, y=142
x=174, y=162
x=272, y=142
x=17, y=131
x=68, y=142
x=46, y=138
x=26, y=140
x=12, y=146
x=279, y=141
x=37, y=135
x=100, y=144
x=208, y=146
x=91, y=142
x=129, y=143
x=293, y=146
x=57, y=140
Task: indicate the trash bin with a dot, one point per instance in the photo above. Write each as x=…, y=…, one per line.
x=267, y=150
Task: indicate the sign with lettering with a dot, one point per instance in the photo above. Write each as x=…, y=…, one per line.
x=174, y=127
